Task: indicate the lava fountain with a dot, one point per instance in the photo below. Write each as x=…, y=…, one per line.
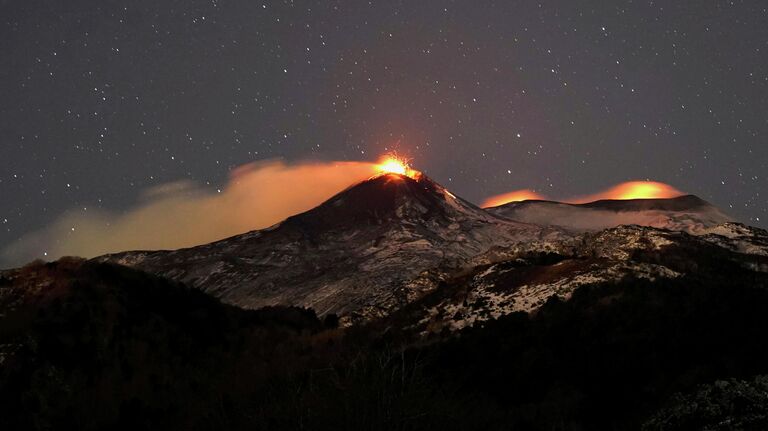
x=394, y=164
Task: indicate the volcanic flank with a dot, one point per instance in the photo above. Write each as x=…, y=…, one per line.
x=389, y=241
x=371, y=248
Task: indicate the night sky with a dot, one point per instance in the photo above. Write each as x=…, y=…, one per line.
x=101, y=100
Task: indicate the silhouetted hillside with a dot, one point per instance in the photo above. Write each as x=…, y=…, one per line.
x=93, y=346
x=86, y=345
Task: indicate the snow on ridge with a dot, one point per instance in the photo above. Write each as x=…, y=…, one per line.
x=485, y=302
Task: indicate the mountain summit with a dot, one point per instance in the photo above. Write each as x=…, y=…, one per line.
x=385, y=198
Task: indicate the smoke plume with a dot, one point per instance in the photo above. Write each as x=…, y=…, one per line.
x=184, y=214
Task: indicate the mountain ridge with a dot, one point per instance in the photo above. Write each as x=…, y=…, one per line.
x=677, y=203
x=390, y=240
x=683, y=213
x=365, y=251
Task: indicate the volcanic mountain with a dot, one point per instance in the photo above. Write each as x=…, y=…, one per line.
x=376, y=246
x=393, y=239
x=457, y=318
x=684, y=213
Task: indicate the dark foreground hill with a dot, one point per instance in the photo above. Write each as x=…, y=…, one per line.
x=92, y=346
x=87, y=345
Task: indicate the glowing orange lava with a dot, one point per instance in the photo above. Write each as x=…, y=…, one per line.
x=515, y=196
x=394, y=164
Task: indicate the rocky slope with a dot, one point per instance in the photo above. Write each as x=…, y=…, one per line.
x=524, y=280
x=365, y=252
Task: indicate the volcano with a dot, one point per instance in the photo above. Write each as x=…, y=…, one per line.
x=370, y=249
x=393, y=239
x=522, y=308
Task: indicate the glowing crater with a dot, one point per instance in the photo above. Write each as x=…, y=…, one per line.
x=394, y=164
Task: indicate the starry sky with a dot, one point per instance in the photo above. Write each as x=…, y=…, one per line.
x=102, y=100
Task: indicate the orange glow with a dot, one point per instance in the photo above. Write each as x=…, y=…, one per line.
x=632, y=190
x=515, y=196
x=394, y=164
x=623, y=191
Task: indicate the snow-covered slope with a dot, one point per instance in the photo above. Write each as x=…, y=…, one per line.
x=525, y=280
x=685, y=213
x=370, y=249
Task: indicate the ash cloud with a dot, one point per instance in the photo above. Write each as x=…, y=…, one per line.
x=184, y=214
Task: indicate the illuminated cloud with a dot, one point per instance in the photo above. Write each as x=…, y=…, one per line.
x=627, y=190
x=183, y=214
x=631, y=190
x=514, y=196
